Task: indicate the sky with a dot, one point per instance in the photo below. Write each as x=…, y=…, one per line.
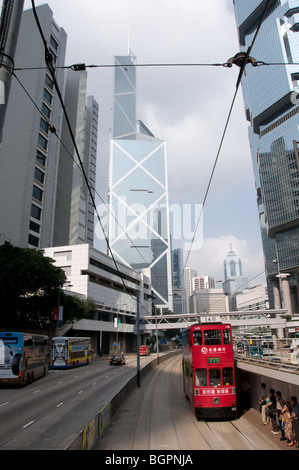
x=187, y=106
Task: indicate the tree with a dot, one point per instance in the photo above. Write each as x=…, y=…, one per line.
x=29, y=284
x=75, y=308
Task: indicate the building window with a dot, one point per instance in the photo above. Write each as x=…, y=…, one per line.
x=44, y=126
x=46, y=111
x=41, y=158
x=37, y=193
x=53, y=42
x=48, y=97
x=39, y=176
x=36, y=212
x=34, y=227
x=42, y=142
x=49, y=82
x=32, y=240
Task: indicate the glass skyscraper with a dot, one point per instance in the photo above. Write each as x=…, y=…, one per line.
x=138, y=189
x=271, y=101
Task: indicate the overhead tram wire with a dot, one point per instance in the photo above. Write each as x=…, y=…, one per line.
x=51, y=68
x=53, y=131
x=81, y=66
x=243, y=61
x=78, y=67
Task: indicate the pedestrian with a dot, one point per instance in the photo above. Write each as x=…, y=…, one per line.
x=245, y=394
x=286, y=415
x=271, y=411
x=280, y=402
x=295, y=413
x=263, y=401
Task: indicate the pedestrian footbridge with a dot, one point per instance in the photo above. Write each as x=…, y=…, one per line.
x=271, y=318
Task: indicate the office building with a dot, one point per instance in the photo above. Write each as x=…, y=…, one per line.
x=203, y=282
x=271, y=106
x=74, y=210
x=138, y=189
x=177, y=268
x=253, y=298
x=208, y=301
x=189, y=274
x=234, y=282
x=44, y=200
x=179, y=300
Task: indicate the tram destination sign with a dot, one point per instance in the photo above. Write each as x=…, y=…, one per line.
x=210, y=319
x=214, y=360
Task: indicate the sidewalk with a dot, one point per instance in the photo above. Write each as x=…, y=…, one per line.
x=255, y=418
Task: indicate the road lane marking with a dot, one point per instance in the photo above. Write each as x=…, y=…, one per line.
x=59, y=404
x=28, y=424
x=3, y=404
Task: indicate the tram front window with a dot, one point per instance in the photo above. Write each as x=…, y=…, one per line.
x=197, y=338
x=201, y=378
x=215, y=377
x=212, y=337
x=226, y=337
x=228, y=376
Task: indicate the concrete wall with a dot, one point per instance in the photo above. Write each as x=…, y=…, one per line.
x=76, y=442
x=283, y=380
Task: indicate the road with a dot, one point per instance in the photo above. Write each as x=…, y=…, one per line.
x=157, y=416
x=41, y=415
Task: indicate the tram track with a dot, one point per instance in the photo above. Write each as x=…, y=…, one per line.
x=158, y=416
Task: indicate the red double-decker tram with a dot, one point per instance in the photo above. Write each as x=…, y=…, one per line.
x=208, y=370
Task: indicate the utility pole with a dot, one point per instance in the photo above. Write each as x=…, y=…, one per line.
x=138, y=339
x=10, y=21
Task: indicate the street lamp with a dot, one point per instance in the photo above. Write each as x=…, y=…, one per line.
x=157, y=341
x=138, y=340
x=118, y=305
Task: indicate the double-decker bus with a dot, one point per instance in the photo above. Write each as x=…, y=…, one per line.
x=24, y=357
x=208, y=370
x=70, y=352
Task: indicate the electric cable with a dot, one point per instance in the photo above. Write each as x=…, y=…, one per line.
x=51, y=68
x=242, y=63
x=81, y=66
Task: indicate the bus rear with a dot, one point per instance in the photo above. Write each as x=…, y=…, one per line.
x=70, y=352
x=24, y=357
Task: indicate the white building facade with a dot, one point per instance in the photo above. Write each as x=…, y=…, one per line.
x=208, y=301
x=253, y=298
x=90, y=273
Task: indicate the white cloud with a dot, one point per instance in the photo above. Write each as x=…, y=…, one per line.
x=208, y=260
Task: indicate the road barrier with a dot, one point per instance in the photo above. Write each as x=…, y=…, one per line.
x=87, y=438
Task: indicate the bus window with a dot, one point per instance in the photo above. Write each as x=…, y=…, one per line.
x=228, y=376
x=226, y=336
x=197, y=338
x=215, y=377
x=201, y=378
x=212, y=337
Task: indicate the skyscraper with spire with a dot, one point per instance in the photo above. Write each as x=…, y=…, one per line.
x=234, y=282
x=138, y=189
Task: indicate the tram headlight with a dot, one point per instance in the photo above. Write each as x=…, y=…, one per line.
x=216, y=401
